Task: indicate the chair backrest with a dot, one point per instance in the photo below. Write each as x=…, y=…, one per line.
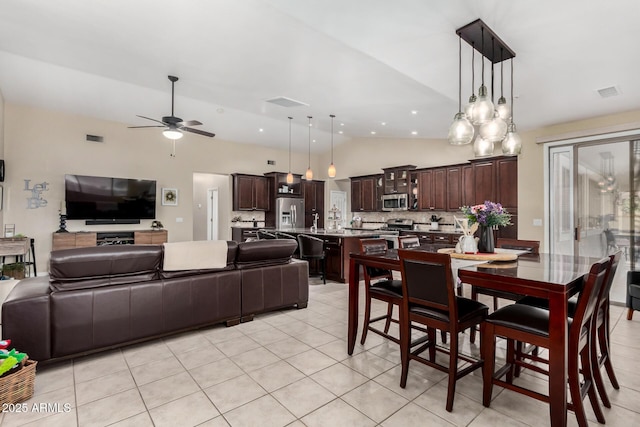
x=531, y=246
x=310, y=246
x=281, y=235
x=603, y=298
x=427, y=280
x=593, y=283
x=407, y=242
x=374, y=246
x=265, y=235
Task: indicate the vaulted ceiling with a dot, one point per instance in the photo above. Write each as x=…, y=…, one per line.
x=389, y=67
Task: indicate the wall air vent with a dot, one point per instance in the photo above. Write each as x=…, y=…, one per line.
x=608, y=92
x=271, y=162
x=95, y=138
x=283, y=101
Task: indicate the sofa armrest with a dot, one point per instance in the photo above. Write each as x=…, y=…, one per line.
x=26, y=318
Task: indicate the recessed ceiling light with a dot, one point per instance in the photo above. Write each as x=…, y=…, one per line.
x=414, y=112
x=415, y=132
x=373, y=132
x=313, y=140
x=340, y=132
x=260, y=130
x=383, y=123
x=341, y=124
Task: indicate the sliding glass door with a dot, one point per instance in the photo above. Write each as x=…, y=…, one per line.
x=593, y=195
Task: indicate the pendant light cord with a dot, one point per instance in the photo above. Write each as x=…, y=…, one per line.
x=501, y=75
x=290, y=118
x=473, y=68
x=511, y=90
x=332, y=116
x=309, y=117
x=482, y=32
x=459, y=74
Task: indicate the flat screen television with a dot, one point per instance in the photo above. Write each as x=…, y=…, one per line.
x=110, y=200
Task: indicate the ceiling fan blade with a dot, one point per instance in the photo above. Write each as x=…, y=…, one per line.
x=139, y=127
x=189, y=123
x=153, y=120
x=198, y=131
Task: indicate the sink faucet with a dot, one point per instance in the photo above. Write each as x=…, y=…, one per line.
x=314, y=227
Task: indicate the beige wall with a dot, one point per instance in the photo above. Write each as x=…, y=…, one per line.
x=202, y=182
x=43, y=145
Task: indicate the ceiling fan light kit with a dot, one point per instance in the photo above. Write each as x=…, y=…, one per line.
x=174, y=127
x=495, y=121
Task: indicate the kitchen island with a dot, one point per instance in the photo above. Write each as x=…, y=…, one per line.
x=338, y=245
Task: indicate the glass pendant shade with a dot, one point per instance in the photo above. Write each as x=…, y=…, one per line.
x=512, y=144
x=332, y=171
x=461, y=131
x=482, y=147
x=468, y=109
x=494, y=130
x=289, y=178
x=503, y=109
x=483, y=108
x=309, y=174
x=172, y=133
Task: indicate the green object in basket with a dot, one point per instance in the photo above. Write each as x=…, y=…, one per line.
x=7, y=364
x=13, y=353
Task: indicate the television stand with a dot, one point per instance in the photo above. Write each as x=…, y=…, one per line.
x=85, y=239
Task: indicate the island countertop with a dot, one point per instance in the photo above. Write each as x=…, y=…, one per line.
x=337, y=233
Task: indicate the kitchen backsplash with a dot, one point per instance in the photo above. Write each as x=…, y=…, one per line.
x=246, y=219
x=421, y=220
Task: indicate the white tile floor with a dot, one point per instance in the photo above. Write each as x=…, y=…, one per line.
x=291, y=368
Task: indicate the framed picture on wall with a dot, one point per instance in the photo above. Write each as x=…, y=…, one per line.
x=9, y=230
x=170, y=197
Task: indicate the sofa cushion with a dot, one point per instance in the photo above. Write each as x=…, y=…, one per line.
x=232, y=249
x=93, y=267
x=262, y=253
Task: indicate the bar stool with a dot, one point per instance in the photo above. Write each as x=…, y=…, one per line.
x=312, y=248
x=520, y=322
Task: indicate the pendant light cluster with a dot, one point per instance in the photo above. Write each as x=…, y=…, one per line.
x=494, y=122
x=309, y=174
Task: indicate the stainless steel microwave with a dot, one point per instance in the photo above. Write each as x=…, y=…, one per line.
x=395, y=202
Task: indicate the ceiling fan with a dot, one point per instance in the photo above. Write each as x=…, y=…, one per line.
x=174, y=126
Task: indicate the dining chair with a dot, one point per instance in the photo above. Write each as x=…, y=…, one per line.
x=633, y=293
x=265, y=235
x=430, y=300
x=600, y=330
x=281, y=235
x=385, y=289
x=529, y=324
x=312, y=249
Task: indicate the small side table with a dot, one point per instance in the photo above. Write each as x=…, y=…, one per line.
x=14, y=246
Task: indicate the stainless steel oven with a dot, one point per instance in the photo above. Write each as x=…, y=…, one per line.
x=395, y=202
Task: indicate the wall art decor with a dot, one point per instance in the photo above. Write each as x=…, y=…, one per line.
x=170, y=197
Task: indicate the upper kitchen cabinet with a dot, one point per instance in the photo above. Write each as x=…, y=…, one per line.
x=363, y=193
x=468, y=187
x=313, y=193
x=431, y=189
x=398, y=179
x=250, y=193
x=454, y=188
x=439, y=189
x=280, y=187
x=507, y=182
x=484, y=180
x=425, y=183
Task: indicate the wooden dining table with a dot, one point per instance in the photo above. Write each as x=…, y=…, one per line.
x=550, y=276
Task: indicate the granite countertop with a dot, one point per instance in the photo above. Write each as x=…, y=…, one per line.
x=337, y=233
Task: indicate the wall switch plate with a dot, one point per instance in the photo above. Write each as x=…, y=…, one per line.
x=537, y=222
x=179, y=219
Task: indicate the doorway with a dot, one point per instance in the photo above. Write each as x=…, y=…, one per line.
x=212, y=214
x=592, y=202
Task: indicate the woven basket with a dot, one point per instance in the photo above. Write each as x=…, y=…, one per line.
x=18, y=386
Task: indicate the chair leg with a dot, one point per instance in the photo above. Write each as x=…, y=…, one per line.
x=514, y=352
x=405, y=344
x=488, y=351
x=453, y=370
x=431, y=333
x=495, y=303
x=595, y=367
x=367, y=316
x=443, y=336
x=472, y=333
x=630, y=313
x=587, y=373
x=324, y=271
x=387, y=322
x=603, y=341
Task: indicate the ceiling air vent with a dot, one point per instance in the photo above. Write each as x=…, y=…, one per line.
x=608, y=92
x=283, y=101
x=95, y=138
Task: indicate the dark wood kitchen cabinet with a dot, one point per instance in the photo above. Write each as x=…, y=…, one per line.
x=425, y=182
x=484, y=181
x=468, y=186
x=363, y=194
x=398, y=179
x=250, y=193
x=313, y=193
x=439, y=189
x=507, y=193
x=454, y=188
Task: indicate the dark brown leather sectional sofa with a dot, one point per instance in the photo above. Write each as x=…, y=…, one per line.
x=109, y=296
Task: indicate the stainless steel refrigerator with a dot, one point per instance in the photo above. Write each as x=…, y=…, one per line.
x=289, y=213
